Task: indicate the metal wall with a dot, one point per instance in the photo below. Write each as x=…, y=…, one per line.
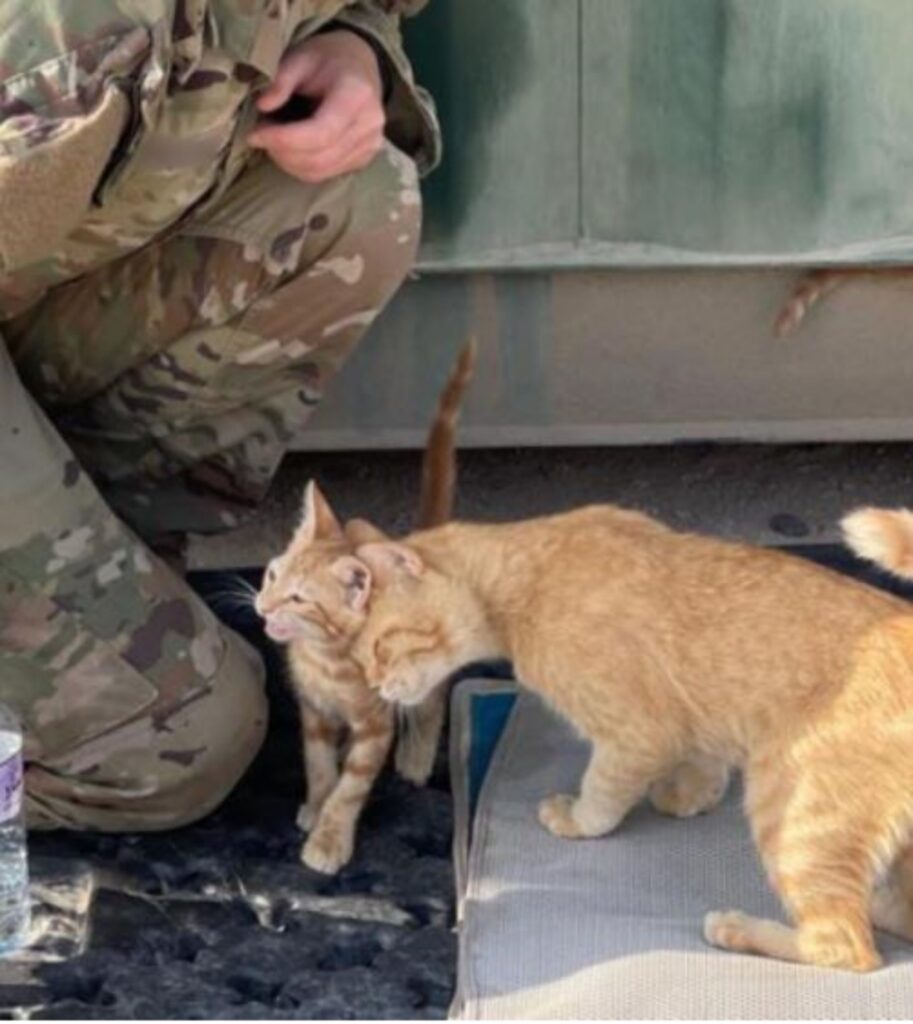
x=620, y=357
x=668, y=132
x=588, y=134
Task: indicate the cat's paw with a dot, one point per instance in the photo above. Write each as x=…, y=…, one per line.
x=414, y=759
x=556, y=813
x=728, y=929
x=326, y=851
x=307, y=817
x=693, y=788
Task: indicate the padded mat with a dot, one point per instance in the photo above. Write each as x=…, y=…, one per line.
x=611, y=928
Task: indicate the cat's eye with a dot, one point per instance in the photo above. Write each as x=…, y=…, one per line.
x=270, y=574
x=297, y=599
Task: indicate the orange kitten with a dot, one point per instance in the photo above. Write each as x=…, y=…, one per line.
x=660, y=646
x=310, y=600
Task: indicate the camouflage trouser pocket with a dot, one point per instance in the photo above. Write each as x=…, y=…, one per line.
x=68, y=686
x=95, y=631
x=62, y=149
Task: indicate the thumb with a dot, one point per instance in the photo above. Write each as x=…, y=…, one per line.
x=294, y=72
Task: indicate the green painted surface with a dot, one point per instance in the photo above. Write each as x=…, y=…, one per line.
x=740, y=127
x=669, y=132
x=505, y=75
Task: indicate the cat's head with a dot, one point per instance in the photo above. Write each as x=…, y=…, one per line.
x=316, y=590
x=422, y=627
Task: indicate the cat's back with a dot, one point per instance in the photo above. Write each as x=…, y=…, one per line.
x=740, y=629
x=601, y=562
x=600, y=559
x=771, y=578
x=607, y=536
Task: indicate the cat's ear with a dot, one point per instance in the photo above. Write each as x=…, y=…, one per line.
x=355, y=576
x=317, y=518
x=360, y=531
x=390, y=559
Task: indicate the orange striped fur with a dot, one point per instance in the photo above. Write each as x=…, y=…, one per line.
x=676, y=654
x=312, y=601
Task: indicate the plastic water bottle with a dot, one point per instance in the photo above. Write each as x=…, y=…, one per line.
x=14, y=873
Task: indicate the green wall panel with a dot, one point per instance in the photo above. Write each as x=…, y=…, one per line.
x=739, y=129
x=668, y=132
x=505, y=76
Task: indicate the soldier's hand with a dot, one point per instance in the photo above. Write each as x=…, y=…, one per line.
x=340, y=73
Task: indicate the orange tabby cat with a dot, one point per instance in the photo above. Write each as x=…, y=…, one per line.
x=659, y=646
x=817, y=284
x=310, y=601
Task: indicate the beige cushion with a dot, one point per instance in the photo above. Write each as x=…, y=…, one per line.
x=611, y=928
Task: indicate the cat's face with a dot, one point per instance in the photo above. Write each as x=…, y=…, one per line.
x=315, y=590
x=411, y=641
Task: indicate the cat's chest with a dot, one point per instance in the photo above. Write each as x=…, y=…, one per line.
x=331, y=682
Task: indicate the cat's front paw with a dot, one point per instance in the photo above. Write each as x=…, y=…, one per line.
x=728, y=929
x=693, y=788
x=326, y=851
x=556, y=813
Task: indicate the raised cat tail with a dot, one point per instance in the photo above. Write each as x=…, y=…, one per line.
x=810, y=290
x=421, y=726
x=883, y=536
x=439, y=460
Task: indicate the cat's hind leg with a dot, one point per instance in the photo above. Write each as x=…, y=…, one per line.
x=829, y=934
x=892, y=902
x=614, y=781
x=741, y=933
x=693, y=787
x=828, y=899
x=821, y=860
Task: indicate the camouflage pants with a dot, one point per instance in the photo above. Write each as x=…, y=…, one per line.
x=174, y=379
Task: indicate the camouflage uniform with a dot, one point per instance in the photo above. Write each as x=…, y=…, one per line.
x=173, y=305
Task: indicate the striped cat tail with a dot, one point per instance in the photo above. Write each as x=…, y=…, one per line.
x=439, y=461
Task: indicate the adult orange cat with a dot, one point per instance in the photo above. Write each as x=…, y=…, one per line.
x=660, y=646
x=309, y=603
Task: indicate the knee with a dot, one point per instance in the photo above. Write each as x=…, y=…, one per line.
x=385, y=222
x=213, y=742
x=360, y=231
x=157, y=775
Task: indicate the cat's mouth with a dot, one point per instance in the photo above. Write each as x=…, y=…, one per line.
x=281, y=634
x=282, y=630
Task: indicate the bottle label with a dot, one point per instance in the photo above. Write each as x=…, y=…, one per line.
x=11, y=787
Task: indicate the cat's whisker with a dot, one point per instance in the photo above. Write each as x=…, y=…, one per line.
x=246, y=586
x=237, y=596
